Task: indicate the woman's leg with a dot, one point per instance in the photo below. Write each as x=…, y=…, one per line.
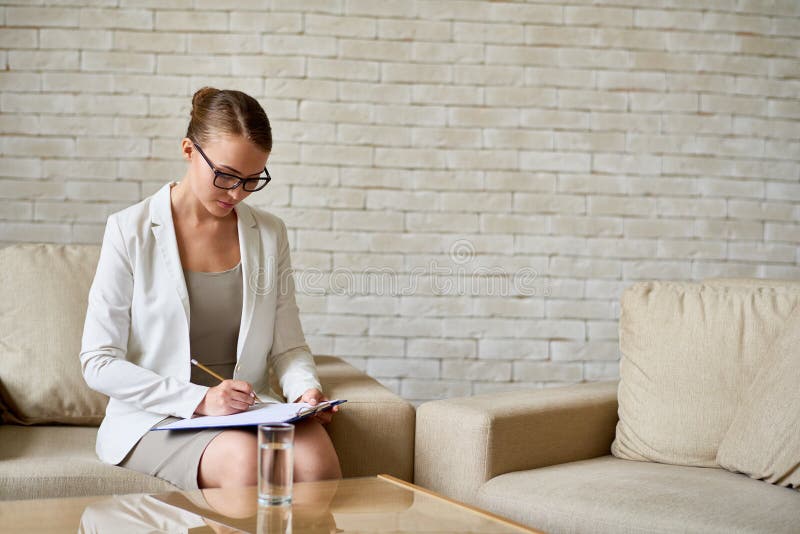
x=231, y=458
x=314, y=455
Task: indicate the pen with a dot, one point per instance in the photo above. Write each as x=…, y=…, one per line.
x=215, y=375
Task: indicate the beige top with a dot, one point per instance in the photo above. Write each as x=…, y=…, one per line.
x=215, y=311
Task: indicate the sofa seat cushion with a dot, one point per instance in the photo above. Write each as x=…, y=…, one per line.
x=608, y=494
x=59, y=461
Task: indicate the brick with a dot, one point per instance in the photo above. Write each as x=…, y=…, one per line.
x=476, y=370
x=513, y=224
x=488, y=75
x=191, y=20
x=789, y=232
x=558, y=35
x=382, y=242
x=700, y=42
x=659, y=270
x=37, y=146
x=671, y=20
x=67, y=212
x=411, y=116
x=41, y=16
x=368, y=346
x=372, y=49
x=623, y=38
x=271, y=22
x=31, y=189
x=415, y=72
x=20, y=167
x=280, y=44
x=352, y=134
x=414, y=30
x=19, y=38
x=16, y=210
x=606, y=247
x=85, y=190
x=443, y=137
x=722, y=229
x=512, y=349
x=348, y=26
x=117, y=62
x=130, y=19
x=763, y=252
x=548, y=371
x=446, y=52
x=336, y=69
x=403, y=368
x=594, y=16
x=43, y=60
x=405, y=326
x=583, y=309
x=371, y=220
x=604, y=330
x=488, y=32
x=409, y=158
x=332, y=241
x=361, y=92
x=584, y=267
x=29, y=232
x=337, y=155
x=334, y=324
x=587, y=350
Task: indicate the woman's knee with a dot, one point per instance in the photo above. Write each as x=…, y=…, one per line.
x=230, y=459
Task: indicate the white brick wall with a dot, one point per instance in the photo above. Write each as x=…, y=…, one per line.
x=458, y=144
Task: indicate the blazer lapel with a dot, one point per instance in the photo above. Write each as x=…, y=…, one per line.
x=249, y=250
x=164, y=232
x=252, y=270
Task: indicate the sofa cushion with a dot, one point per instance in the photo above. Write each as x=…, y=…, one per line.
x=45, y=289
x=689, y=351
x=611, y=495
x=764, y=439
x=59, y=461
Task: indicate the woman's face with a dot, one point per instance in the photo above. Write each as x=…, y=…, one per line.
x=230, y=154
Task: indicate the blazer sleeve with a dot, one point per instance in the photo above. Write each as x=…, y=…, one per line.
x=105, y=340
x=290, y=355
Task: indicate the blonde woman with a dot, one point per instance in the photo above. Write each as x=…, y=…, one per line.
x=194, y=272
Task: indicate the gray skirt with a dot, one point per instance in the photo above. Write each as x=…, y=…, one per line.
x=171, y=455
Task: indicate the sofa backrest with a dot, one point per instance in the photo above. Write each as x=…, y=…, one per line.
x=689, y=351
x=44, y=290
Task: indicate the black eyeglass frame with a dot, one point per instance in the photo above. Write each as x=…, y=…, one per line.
x=240, y=181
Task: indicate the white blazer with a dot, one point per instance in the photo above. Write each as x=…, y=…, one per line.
x=135, y=345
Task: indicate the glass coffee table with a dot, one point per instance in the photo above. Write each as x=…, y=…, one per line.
x=369, y=504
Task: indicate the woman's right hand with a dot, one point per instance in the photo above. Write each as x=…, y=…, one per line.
x=229, y=397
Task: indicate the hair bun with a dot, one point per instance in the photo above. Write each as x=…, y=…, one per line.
x=201, y=94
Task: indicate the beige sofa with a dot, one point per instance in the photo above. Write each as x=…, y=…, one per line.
x=708, y=391
x=50, y=416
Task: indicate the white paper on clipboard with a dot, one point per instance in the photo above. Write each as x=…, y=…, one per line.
x=256, y=415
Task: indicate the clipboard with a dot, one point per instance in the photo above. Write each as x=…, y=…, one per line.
x=258, y=414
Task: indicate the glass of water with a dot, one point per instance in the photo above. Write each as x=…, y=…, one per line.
x=275, y=463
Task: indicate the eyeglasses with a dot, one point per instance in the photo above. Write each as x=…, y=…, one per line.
x=225, y=180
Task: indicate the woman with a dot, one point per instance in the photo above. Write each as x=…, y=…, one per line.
x=194, y=250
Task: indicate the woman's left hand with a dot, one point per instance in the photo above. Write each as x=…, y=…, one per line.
x=313, y=397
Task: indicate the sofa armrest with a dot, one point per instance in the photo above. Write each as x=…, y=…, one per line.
x=373, y=432
x=462, y=443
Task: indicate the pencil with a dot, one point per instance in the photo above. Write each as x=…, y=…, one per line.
x=215, y=375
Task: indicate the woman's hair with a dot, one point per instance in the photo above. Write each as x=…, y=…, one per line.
x=217, y=112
